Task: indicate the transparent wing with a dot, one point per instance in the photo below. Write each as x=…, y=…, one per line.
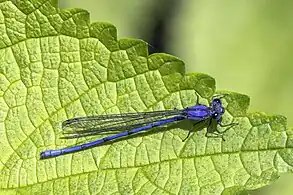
x=102, y=124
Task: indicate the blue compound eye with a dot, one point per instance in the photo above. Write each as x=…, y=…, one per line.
x=215, y=115
x=223, y=110
x=216, y=103
x=217, y=100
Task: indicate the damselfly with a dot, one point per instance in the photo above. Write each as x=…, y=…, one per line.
x=132, y=123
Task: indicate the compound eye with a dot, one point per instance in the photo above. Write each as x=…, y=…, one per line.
x=223, y=110
x=218, y=101
x=215, y=115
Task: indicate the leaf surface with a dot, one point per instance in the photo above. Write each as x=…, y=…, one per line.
x=56, y=65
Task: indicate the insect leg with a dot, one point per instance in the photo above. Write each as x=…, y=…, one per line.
x=189, y=132
x=227, y=125
x=216, y=133
x=197, y=97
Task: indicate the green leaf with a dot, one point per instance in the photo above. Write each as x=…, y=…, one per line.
x=55, y=65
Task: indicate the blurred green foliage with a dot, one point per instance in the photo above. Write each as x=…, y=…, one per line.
x=246, y=45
